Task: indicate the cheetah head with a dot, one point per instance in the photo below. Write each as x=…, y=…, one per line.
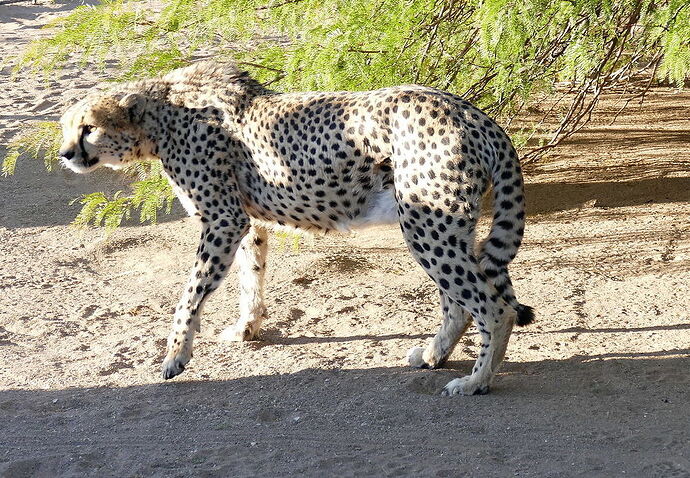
x=104, y=129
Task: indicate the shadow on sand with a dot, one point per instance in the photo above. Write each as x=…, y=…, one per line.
x=586, y=416
x=544, y=198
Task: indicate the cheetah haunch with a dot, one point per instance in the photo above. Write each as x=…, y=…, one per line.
x=242, y=157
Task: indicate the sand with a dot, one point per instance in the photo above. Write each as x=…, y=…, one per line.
x=597, y=387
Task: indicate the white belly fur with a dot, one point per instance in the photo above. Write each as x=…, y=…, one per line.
x=383, y=209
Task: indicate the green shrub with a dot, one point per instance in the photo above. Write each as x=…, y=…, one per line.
x=38, y=140
x=499, y=54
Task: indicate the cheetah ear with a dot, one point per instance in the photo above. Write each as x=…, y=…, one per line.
x=133, y=105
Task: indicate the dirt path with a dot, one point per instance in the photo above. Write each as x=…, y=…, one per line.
x=598, y=387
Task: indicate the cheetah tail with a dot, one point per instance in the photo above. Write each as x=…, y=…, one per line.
x=525, y=315
x=507, y=229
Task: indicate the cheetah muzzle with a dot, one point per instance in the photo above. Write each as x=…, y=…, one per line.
x=243, y=158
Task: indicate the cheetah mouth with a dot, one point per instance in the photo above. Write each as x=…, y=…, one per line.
x=83, y=166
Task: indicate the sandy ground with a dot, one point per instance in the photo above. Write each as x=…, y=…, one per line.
x=597, y=387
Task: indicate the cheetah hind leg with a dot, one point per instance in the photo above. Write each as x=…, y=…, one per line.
x=495, y=328
x=251, y=261
x=454, y=324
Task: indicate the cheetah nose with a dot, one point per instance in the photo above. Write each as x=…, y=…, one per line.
x=69, y=154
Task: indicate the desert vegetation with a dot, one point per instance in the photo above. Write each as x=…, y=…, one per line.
x=544, y=62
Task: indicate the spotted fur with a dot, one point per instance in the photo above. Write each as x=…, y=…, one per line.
x=241, y=157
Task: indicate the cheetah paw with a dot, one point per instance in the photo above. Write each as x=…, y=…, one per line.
x=173, y=366
x=465, y=386
x=237, y=334
x=415, y=358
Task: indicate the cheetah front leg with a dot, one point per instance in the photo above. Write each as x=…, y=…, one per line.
x=251, y=260
x=219, y=241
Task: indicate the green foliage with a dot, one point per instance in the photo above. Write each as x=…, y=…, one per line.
x=38, y=140
x=492, y=50
x=499, y=54
x=152, y=194
x=98, y=210
x=285, y=238
x=149, y=194
x=93, y=32
x=674, y=36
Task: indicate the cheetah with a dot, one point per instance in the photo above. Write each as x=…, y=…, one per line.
x=243, y=158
